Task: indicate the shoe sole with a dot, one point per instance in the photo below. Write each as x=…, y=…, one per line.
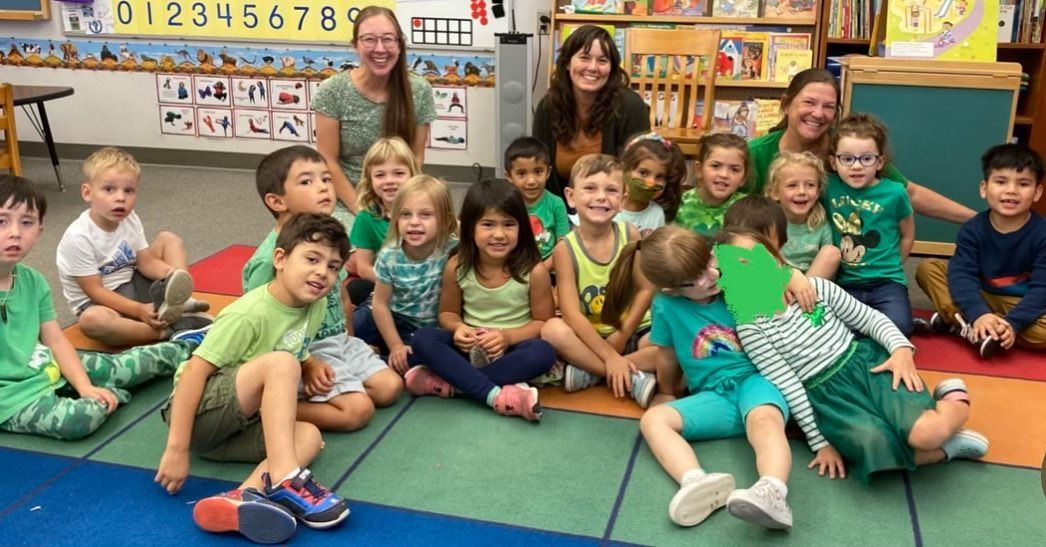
x=643, y=399
x=695, y=505
x=989, y=348
x=178, y=290
x=750, y=512
x=478, y=357
x=257, y=521
x=327, y=523
x=979, y=438
x=408, y=381
x=536, y=409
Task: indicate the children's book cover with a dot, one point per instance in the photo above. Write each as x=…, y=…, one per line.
x=792, y=9
x=735, y=117
x=956, y=30
x=636, y=7
x=728, y=60
x=735, y=8
x=784, y=40
x=662, y=118
x=768, y=114
x=790, y=62
x=753, y=55
x=677, y=7
x=597, y=6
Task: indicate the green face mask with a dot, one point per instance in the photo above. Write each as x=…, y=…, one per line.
x=639, y=190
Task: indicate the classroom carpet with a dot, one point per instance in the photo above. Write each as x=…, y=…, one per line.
x=435, y=471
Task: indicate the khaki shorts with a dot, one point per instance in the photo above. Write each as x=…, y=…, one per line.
x=221, y=432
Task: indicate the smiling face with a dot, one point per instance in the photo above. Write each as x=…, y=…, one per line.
x=596, y=197
x=111, y=195
x=19, y=228
x=386, y=179
x=811, y=112
x=797, y=190
x=529, y=175
x=1011, y=193
x=307, y=189
x=590, y=70
x=496, y=235
x=306, y=274
x=857, y=175
x=417, y=224
x=722, y=174
x=379, y=44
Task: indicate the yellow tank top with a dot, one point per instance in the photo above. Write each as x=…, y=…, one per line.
x=593, y=276
x=504, y=307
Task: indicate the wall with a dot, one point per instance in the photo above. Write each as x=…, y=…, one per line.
x=117, y=108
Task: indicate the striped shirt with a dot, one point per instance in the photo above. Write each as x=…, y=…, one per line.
x=794, y=347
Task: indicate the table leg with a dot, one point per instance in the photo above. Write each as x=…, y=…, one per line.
x=49, y=139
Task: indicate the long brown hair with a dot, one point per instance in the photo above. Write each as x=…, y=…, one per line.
x=398, y=120
x=758, y=214
x=800, y=81
x=506, y=199
x=651, y=146
x=562, y=108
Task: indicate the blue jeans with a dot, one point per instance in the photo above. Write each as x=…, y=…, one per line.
x=366, y=329
x=888, y=297
x=528, y=359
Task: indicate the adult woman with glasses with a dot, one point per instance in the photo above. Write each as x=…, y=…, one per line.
x=379, y=98
x=810, y=106
x=589, y=107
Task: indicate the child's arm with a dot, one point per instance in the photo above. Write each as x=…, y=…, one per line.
x=92, y=286
x=398, y=351
x=174, y=464
x=346, y=306
x=496, y=341
x=825, y=263
x=316, y=376
x=365, y=264
x=907, y=227
x=1033, y=304
x=72, y=368
x=450, y=308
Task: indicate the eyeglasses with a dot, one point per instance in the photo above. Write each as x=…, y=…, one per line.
x=865, y=159
x=370, y=41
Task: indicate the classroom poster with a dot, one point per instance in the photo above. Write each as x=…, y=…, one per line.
x=214, y=122
x=252, y=124
x=290, y=126
x=177, y=120
x=212, y=90
x=174, y=89
x=956, y=30
x=449, y=134
x=450, y=102
x=288, y=94
x=250, y=92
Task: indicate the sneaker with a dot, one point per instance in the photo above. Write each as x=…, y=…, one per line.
x=314, y=505
x=643, y=386
x=697, y=499
x=169, y=295
x=248, y=512
x=514, y=400
x=761, y=504
x=478, y=357
x=951, y=385
x=189, y=322
x=420, y=380
x=939, y=325
x=967, y=444
x=193, y=336
x=554, y=376
x=989, y=347
x=193, y=305
x=576, y=378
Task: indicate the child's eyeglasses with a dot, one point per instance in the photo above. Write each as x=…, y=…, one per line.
x=849, y=159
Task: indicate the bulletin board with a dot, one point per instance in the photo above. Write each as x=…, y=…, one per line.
x=941, y=117
x=25, y=10
x=436, y=24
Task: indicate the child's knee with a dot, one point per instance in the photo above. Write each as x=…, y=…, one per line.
x=354, y=410
x=557, y=332
x=765, y=418
x=660, y=417
x=280, y=366
x=384, y=387
x=168, y=239
x=95, y=321
x=307, y=438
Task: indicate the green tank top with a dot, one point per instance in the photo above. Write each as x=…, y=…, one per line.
x=505, y=307
x=593, y=276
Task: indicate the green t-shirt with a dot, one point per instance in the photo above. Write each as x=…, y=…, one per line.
x=764, y=150
x=259, y=271
x=866, y=228
x=27, y=369
x=696, y=215
x=548, y=219
x=257, y=324
x=803, y=244
x=703, y=337
x=369, y=231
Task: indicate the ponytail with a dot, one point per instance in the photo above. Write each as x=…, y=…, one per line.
x=622, y=286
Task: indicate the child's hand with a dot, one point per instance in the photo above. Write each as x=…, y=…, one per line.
x=1008, y=336
x=318, y=377
x=618, y=377
x=902, y=364
x=617, y=340
x=398, y=358
x=174, y=468
x=102, y=395
x=801, y=291
x=147, y=314
x=492, y=340
x=991, y=326
x=828, y=459
x=464, y=337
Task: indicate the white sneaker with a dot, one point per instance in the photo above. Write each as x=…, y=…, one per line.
x=967, y=444
x=697, y=499
x=576, y=378
x=761, y=504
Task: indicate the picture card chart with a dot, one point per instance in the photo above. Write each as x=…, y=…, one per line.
x=212, y=90
x=448, y=134
x=451, y=102
x=250, y=92
x=288, y=94
x=214, y=122
x=253, y=124
x=177, y=120
x=290, y=126
x=174, y=89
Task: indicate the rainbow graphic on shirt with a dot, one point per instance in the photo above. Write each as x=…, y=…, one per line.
x=713, y=339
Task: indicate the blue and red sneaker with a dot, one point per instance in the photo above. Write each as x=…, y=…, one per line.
x=248, y=512
x=313, y=504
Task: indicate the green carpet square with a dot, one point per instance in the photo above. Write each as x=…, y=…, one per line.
x=825, y=511
x=459, y=458
x=969, y=502
x=142, y=400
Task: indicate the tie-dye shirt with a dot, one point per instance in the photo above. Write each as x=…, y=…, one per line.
x=703, y=337
x=415, y=284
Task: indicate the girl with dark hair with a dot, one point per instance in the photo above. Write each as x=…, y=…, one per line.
x=380, y=98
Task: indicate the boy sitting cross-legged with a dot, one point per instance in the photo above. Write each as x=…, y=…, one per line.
x=345, y=379
x=236, y=398
x=993, y=291
x=123, y=289
x=46, y=387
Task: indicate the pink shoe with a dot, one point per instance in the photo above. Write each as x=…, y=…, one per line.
x=517, y=401
x=422, y=381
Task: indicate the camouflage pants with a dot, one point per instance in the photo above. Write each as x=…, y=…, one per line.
x=60, y=414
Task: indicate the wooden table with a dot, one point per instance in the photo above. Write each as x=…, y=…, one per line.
x=28, y=95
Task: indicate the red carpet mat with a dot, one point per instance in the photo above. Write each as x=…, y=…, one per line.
x=952, y=354
x=220, y=272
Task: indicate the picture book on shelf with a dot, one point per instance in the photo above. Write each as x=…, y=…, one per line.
x=596, y=6
x=794, y=9
x=746, y=119
x=784, y=40
x=754, y=46
x=677, y=7
x=636, y=7
x=673, y=106
x=728, y=60
x=735, y=8
x=790, y=62
x=957, y=30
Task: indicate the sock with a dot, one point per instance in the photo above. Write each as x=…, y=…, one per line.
x=691, y=475
x=777, y=483
x=294, y=473
x=492, y=395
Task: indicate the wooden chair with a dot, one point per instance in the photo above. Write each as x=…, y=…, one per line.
x=9, y=158
x=658, y=60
